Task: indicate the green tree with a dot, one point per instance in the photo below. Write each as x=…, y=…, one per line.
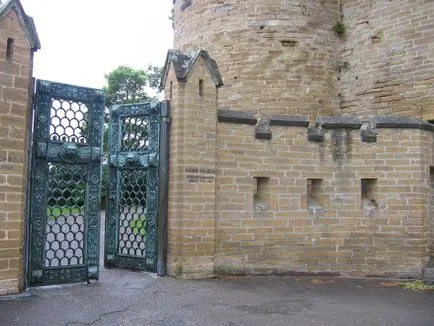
x=154, y=76
x=126, y=85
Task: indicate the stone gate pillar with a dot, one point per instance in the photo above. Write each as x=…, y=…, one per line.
x=18, y=41
x=191, y=83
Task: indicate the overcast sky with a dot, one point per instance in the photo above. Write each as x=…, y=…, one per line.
x=82, y=40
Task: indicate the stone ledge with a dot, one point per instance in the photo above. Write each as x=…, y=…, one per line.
x=337, y=122
x=329, y=122
x=233, y=116
x=396, y=122
x=289, y=120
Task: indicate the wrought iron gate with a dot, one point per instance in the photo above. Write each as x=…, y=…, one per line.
x=132, y=218
x=65, y=184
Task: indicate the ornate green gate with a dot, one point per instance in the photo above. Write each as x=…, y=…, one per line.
x=132, y=218
x=65, y=184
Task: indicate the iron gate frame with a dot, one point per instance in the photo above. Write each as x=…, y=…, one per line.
x=154, y=161
x=43, y=151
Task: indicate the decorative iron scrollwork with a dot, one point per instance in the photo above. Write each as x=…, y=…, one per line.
x=130, y=110
x=67, y=152
x=131, y=223
x=64, y=211
x=134, y=160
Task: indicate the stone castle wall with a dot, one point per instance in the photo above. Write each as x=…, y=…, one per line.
x=275, y=56
x=389, y=56
x=283, y=56
x=339, y=197
x=313, y=215
x=15, y=85
x=333, y=198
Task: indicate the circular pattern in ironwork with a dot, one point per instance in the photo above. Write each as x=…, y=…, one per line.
x=135, y=131
x=68, y=121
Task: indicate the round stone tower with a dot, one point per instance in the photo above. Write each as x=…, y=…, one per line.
x=275, y=56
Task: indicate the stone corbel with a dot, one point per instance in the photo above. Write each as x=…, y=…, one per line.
x=263, y=129
x=315, y=134
x=368, y=133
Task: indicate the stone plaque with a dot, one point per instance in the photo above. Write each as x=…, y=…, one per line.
x=200, y=175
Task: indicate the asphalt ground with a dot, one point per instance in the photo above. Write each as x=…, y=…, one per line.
x=130, y=298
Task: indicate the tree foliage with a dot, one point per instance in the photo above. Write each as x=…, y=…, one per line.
x=154, y=76
x=126, y=85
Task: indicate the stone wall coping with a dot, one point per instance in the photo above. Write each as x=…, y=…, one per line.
x=338, y=122
x=289, y=120
x=184, y=64
x=327, y=122
x=233, y=116
x=399, y=122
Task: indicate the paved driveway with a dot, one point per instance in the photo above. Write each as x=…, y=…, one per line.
x=130, y=298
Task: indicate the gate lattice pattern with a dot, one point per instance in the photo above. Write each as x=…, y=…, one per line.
x=131, y=223
x=65, y=184
x=132, y=230
x=65, y=215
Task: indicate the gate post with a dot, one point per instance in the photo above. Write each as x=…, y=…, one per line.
x=193, y=92
x=18, y=42
x=163, y=188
